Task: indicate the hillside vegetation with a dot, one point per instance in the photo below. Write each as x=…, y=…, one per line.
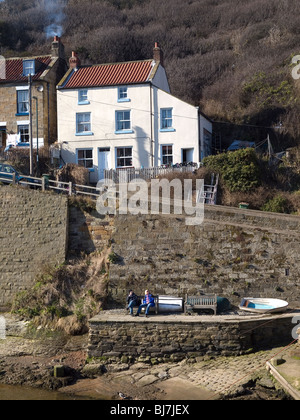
x=230, y=57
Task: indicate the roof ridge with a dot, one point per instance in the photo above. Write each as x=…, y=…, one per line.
x=29, y=58
x=109, y=74
x=117, y=63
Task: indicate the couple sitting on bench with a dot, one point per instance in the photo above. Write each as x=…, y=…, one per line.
x=133, y=300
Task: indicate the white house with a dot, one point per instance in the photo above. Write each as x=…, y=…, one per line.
x=123, y=115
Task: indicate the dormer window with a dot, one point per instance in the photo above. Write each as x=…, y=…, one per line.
x=28, y=67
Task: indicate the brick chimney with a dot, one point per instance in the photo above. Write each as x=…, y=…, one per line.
x=74, y=61
x=58, y=49
x=158, y=55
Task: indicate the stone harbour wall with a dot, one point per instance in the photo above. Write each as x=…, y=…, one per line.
x=234, y=253
x=182, y=336
x=33, y=233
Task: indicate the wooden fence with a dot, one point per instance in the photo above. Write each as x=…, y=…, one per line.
x=128, y=174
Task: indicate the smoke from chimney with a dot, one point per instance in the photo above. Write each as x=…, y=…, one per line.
x=57, y=48
x=54, y=11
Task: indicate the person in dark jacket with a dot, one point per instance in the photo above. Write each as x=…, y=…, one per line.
x=132, y=301
x=148, y=302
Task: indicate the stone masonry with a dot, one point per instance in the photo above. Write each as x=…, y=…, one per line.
x=234, y=253
x=89, y=232
x=33, y=233
x=175, y=337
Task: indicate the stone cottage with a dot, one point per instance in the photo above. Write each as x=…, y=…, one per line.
x=45, y=71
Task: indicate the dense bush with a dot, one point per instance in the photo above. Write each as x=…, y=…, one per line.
x=277, y=204
x=239, y=170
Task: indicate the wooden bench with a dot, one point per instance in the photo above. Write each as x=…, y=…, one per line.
x=201, y=302
x=156, y=301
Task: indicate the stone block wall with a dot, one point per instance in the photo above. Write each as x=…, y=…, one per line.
x=234, y=253
x=33, y=233
x=89, y=232
x=182, y=336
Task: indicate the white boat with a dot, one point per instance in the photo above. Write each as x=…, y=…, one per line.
x=262, y=305
x=170, y=304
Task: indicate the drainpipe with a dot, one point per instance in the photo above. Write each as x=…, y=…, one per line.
x=199, y=136
x=48, y=104
x=151, y=127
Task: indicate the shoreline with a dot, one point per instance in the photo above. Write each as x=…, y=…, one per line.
x=28, y=359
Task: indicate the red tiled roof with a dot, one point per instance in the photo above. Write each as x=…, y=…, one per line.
x=109, y=74
x=14, y=69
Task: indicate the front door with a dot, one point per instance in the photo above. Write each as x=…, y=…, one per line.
x=104, y=161
x=187, y=155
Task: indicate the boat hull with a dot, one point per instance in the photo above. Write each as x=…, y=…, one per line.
x=261, y=305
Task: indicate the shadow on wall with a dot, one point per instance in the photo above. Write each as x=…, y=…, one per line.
x=80, y=238
x=88, y=230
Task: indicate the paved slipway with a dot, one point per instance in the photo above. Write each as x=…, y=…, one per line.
x=30, y=360
x=243, y=377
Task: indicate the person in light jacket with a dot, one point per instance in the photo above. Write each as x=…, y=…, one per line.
x=148, y=302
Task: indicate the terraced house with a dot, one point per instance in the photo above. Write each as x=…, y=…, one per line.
x=123, y=115
x=45, y=72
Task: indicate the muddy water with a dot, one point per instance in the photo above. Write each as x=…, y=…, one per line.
x=19, y=393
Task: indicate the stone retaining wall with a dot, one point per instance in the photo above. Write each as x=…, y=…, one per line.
x=89, y=232
x=33, y=233
x=176, y=337
x=234, y=253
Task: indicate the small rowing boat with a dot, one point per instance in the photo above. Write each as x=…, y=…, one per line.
x=262, y=305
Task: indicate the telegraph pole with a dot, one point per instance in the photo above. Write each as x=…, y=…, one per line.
x=30, y=125
x=37, y=130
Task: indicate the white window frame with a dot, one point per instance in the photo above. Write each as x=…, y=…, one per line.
x=85, y=124
x=167, y=155
x=88, y=162
x=83, y=97
x=28, y=67
x=123, y=94
x=22, y=127
x=166, y=120
x=123, y=125
x=21, y=102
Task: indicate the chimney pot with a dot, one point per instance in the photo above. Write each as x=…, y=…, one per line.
x=74, y=61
